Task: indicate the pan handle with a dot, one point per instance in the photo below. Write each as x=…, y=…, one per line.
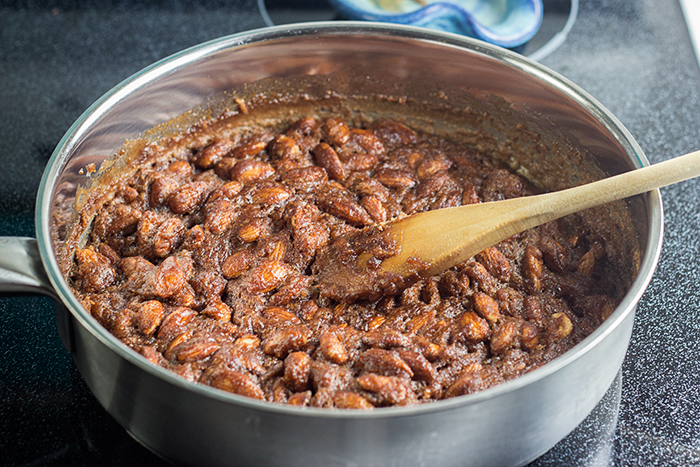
x=21, y=269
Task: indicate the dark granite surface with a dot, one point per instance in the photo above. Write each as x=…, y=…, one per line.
x=57, y=57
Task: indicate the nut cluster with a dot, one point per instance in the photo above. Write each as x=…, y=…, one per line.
x=201, y=263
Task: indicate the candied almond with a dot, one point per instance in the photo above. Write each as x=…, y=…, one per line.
x=249, y=149
x=341, y=205
x=386, y=338
x=376, y=322
x=180, y=168
x=219, y=216
x=238, y=383
x=332, y=348
x=529, y=336
x=327, y=158
x=350, y=400
x=473, y=327
x=218, y=310
x=251, y=170
x=433, y=165
x=281, y=342
x=422, y=369
x=416, y=323
x=335, y=130
x=223, y=168
x=532, y=309
x=433, y=185
x=279, y=316
x=210, y=155
x=168, y=237
x=227, y=190
x=169, y=278
x=468, y=383
x=188, y=197
x=330, y=377
x=495, y=263
x=194, y=238
x=94, y=270
x=302, y=127
x=559, y=325
x=301, y=399
x=374, y=208
x=368, y=141
x=256, y=228
x=270, y=194
x=533, y=268
x=136, y=266
x=396, y=178
x=283, y=147
x=510, y=301
x=586, y=264
x=277, y=250
x=553, y=254
x=429, y=350
x=196, y=349
x=161, y=188
x=481, y=278
x=294, y=289
x=304, y=178
x=360, y=162
x=119, y=219
x=123, y=323
x=297, y=368
x=247, y=341
x=487, y=307
x=372, y=187
x=175, y=321
x=384, y=362
x=503, y=338
x=268, y=275
x=149, y=316
x=390, y=389
x=152, y=354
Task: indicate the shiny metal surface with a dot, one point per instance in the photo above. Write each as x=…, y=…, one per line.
x=193, y=425
x=197, y=425
x=21, y=269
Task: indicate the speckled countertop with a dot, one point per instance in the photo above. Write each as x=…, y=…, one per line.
x=57, y=57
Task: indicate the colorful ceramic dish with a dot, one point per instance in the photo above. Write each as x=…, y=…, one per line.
x=508, y=23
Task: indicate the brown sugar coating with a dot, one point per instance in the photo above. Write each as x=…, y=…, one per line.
x=203, y=262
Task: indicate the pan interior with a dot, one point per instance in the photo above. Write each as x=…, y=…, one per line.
x=546, y=135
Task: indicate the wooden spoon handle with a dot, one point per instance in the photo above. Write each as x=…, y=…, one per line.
x=627, y=184
x=446, y=237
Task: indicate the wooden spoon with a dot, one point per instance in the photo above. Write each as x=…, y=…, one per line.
x=445, y=237
x=433, y=241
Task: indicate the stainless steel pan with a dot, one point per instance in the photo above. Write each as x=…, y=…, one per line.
x=191, y=424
